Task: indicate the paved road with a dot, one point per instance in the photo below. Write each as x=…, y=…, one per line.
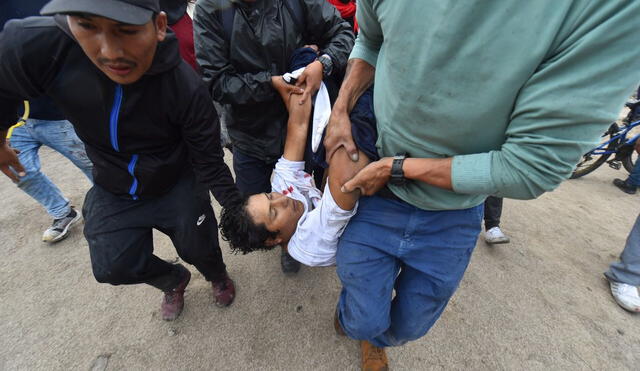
x=539, y=303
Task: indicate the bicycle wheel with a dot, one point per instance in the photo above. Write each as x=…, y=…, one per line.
x=591, y=161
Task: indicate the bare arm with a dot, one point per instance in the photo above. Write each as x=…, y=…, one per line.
x=433, y=171
x=342, y=169
x=297, y=128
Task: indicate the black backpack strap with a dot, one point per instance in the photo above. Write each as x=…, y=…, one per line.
x=227, y=15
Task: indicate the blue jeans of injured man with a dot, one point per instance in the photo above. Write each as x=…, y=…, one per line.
x=390, y=244
x=60, y=136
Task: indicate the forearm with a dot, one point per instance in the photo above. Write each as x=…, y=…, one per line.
x=297, y=128
x=358, y=78
x=3, y=137
x=432, y=171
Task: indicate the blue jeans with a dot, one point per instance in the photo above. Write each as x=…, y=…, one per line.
x=252, y=175
x=390, y=244
x=627, y=270
x=634, y=176
x=60, y=136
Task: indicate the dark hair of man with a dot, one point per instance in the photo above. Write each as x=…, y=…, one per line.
x=243, y=234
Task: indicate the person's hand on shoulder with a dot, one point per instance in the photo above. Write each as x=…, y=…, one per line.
x=338, y=134
x=370, y=179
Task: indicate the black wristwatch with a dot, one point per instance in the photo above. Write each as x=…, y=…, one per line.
x=397, y=174
x=327, y=64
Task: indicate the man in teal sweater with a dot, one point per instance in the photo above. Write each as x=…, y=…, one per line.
x=546, y=78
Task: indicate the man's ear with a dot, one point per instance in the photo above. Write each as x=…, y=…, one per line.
x=273, y=241
x=161, y=26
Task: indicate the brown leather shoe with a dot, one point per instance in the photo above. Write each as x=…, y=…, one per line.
x=372, y=357
x=173, y=301
x=224, y=291
x=337, y=326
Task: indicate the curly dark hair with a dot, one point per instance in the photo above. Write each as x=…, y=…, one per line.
x=243, y=234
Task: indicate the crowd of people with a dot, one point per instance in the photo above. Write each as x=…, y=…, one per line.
x=388, y=181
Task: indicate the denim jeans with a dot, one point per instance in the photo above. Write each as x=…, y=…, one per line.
x=60, y=136
x=390, y=244
x=252, y=175
x=634, y=176
x=627, y=270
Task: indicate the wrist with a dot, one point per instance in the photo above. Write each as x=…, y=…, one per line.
x=327, y=64
x=341, y=106
x=397, y=174
x=386, y=163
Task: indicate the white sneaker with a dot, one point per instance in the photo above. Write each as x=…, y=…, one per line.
x=494, y=236
x=626, y=296
x=60, y=227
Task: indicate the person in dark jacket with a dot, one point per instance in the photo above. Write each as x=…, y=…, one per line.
x=43, y=124
x=149, y=128
x=243, y=48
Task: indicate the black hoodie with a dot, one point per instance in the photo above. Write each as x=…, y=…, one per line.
x=140, y=137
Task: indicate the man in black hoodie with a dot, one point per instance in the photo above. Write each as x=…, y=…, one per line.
x=149, y=128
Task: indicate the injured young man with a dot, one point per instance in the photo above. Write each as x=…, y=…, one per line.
x=296, y=214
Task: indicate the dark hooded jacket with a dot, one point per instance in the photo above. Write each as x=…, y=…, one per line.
x=141, y=137
x=41, y=108
x=237, y=67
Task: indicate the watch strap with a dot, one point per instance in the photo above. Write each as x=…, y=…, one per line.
x=397, y=174
x=327, y=64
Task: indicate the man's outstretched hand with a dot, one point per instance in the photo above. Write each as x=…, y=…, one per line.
x=9, y=160
x=370, y=179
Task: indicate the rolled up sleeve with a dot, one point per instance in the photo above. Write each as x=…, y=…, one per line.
x=369, y=38
x=561, y=111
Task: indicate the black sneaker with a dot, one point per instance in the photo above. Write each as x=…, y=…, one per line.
x=625, y=186
x=289, y=265
x=60, y=227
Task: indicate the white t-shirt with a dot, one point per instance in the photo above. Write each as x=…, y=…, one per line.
x=315, y=241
